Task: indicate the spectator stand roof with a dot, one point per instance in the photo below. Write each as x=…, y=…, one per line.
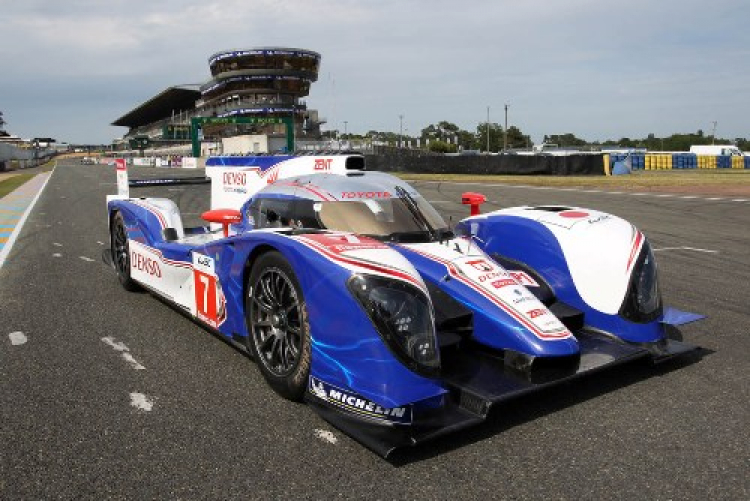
x=163, y=105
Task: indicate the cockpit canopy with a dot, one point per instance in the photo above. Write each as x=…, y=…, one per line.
x=368, y=203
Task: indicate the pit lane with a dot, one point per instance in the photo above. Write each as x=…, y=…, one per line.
x=197, y=421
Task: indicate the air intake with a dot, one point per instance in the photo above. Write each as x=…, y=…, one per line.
x=355, y=162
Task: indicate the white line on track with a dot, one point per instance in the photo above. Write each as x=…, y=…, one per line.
x=124, y=350
x=17, y=338
x=87, y=259
x=694, y=249
x=133, y=362
x=141, y=402
x=326, y=436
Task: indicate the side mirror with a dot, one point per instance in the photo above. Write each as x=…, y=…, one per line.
x=474, y=200
x=225, y=217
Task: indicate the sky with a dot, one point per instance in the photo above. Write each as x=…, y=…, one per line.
x=595, y=68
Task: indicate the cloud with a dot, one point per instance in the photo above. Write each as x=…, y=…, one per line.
x=599, y=69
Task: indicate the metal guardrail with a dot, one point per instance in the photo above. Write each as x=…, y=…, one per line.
x=24, y=157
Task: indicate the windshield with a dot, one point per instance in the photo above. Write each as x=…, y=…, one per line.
x=384, y=218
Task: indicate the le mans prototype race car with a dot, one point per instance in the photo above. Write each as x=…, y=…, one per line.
x=351, y=292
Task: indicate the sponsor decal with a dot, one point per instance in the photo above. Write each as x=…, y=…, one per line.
x=273, y=175
x=504, y=282
x=365, y=194
x=523, y=278
x=323, y=163
x=123, y=188
x=536, y=313
x=210, y=303
x=356, y=404
x=145, y=264
x=235, y=182
x=481, y=265
x=598, y=219
x=573, y=214
x=494, y=286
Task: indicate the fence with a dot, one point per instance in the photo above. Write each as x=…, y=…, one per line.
x=585, y=164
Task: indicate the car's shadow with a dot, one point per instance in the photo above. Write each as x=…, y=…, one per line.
x=507, y=415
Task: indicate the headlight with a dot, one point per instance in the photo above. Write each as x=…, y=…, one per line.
x=643, y=300
x=402, y=315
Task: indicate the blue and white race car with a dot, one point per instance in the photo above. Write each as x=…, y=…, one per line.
x=350, y=291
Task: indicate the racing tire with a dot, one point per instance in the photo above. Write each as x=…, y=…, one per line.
x=278, y=327
x=121, y=253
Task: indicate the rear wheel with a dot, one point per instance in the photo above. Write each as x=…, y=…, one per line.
x=279, y=333
x=121, y=253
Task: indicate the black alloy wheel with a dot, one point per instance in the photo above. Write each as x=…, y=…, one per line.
x=279, y=334
x=121, y=253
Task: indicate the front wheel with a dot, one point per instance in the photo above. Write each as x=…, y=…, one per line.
x=121, y=253
x=279, y=333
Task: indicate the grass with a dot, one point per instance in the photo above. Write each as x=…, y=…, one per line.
x=638, y=179
x=13, y=182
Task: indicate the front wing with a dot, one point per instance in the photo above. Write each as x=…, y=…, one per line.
x=478, y=379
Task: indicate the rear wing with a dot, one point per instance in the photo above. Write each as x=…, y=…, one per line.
x=235, y=179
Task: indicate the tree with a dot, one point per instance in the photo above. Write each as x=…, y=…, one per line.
x=442, y=131
x=516, y=138
x=2, y=122
x=438, y=146
x=495, y=132
x=567, y=139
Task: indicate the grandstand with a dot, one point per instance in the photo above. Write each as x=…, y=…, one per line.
x=261, y=82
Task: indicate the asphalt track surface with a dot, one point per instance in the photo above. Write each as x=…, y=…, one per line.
x=161, y=409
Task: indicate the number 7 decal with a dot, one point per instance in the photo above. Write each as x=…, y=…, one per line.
x=205, y=298
x=209, y=298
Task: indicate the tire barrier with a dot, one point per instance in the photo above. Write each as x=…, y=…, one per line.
x=669, y=161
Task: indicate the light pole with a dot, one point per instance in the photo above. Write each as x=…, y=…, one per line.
x=488, y=130
x=400, y=129
x=713, y=133
x=505, y=130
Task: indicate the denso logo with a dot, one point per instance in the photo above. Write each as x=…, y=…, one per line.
x=145, y=264
x=490, y=276
x=235, y=178
x=323, y=163
x=365, y=194
x=536, y=313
